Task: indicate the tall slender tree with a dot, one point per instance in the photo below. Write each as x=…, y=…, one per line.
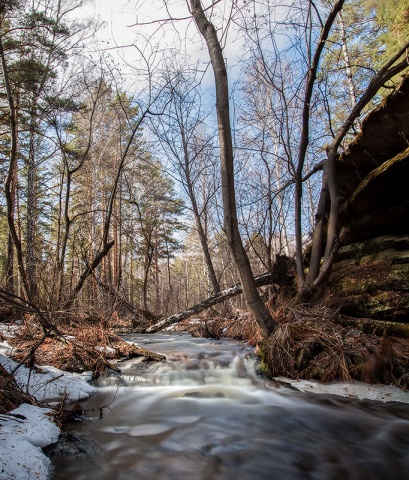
x=181, y=131
x=253, y=299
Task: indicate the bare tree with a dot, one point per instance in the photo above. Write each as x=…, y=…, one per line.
x=329, y=192
x=253, y=299
x=300, y=113
x=189, y=151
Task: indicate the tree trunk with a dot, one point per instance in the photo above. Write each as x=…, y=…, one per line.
x=329, y=186
x=253, y=299
x=31, y=209
x=120, y=300
x=10, y=182
x=198, y=219
x=305, y=138
x=87, y=272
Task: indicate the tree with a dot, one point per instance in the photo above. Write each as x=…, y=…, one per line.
x=304, y=106
x=156, y=208
x=392, y=18
x=253, y=299
x=189, y=151
x=36, y=40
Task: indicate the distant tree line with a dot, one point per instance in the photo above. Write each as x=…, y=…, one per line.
x=147, y=195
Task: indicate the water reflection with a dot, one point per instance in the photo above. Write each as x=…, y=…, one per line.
x=205, y=414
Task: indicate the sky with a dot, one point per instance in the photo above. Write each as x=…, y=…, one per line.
x=133, y=24
x=126, y=19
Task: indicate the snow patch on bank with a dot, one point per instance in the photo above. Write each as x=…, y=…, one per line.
x=359, y=390
x=23, y=432
x=27, y=429
x=50, y=383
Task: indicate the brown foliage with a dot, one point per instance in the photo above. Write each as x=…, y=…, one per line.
x=86, y=345
x=240, y=327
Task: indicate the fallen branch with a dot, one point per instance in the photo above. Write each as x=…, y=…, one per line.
x=261, y=280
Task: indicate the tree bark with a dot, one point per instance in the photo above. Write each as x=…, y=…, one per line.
x=253, y=299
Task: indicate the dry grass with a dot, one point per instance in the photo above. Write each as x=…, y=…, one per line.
x=88, y=346
x=11, y=395
x=308, y=343
x=240, y=327
x=311, y=344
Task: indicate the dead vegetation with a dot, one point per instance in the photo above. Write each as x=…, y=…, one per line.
x=11, y=395
x=241, y=326
x=89, y=345
x=311, y=343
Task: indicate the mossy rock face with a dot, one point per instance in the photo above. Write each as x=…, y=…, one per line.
x=376, y=245
x=371, y=279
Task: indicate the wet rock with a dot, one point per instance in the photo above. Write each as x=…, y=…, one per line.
x=70, y=444
x=204, y=395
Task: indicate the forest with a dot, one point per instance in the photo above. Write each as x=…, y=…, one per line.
x=145, y=178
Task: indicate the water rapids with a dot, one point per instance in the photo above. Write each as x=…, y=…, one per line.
x=206, y=414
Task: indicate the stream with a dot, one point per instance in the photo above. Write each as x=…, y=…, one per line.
x=206, y=414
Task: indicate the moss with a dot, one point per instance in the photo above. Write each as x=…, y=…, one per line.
x=263, y=367
x=400, y=272
x=316, y=374
x=374, y=245
x=374, y=283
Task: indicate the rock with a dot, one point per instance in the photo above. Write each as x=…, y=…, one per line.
x=371, y=279
x=372, y=173
x=70, y=444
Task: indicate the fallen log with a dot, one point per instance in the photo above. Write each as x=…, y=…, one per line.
x=282, y=274
x=261, y=280
x=133, y=351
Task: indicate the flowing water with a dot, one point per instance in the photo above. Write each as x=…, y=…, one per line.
x=205, y=414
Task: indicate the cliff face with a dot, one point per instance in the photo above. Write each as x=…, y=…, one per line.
x=373, y=173
x=371, y=279
x=371, y=276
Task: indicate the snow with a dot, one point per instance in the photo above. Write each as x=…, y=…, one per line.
x=360, y=390
x=51, y=384
x=106, y=350
x=23, y=436
x=21, y=440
